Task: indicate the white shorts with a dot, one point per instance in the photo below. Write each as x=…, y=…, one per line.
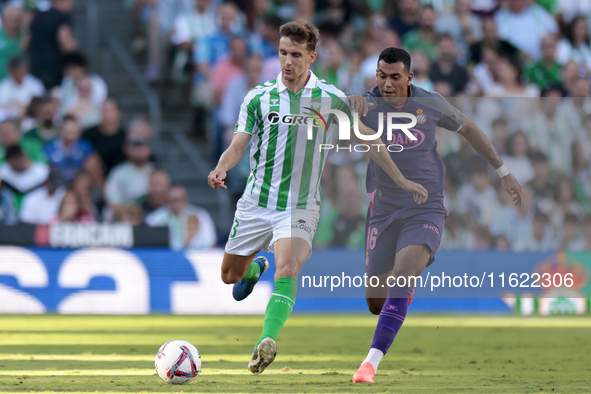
x=256, y=228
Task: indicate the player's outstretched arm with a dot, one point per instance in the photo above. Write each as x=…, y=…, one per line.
x=379, y=154
x=485, y=148
x=229, y=159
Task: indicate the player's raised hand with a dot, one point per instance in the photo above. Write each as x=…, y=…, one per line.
x=359, y=104
x=420, y=193
x=216, y=179
x=513, y=187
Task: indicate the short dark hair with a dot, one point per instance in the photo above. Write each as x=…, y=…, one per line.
x=541, y=217
x=69, y=118
x=538, y=157
x=299, y=32
x=16, y=63
x=74, y=59
x=570, y=218
x=394, y=55
x=14, y=152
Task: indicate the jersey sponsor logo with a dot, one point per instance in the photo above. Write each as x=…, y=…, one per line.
x=404, y=140
x=274, y=101
x=421, y=117
x=274, y=118
x=431, y=227
x=301, y=224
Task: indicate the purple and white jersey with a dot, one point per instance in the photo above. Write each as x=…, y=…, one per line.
x=419, y=160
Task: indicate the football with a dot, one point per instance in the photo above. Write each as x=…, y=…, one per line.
x=178, y=362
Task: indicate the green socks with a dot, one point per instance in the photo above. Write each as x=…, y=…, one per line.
x=279, y=306
x=252, y=273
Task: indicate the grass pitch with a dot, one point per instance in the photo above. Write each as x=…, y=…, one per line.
x=316, y=353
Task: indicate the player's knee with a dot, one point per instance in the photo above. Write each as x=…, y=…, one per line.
x=375, y=305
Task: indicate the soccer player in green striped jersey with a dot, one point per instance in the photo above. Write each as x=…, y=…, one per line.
x=280, y=206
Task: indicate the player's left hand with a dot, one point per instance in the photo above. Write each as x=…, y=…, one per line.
x=359, y=104
x=513, y=187
x=420, y=193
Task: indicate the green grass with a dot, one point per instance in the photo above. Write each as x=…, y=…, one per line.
x=432, y=354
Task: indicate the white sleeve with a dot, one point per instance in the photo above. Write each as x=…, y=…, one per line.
x=181, y=31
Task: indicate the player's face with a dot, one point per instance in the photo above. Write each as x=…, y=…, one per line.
x=295, y=59
x=393, y=80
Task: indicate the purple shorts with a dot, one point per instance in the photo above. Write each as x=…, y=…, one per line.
x=387, y=234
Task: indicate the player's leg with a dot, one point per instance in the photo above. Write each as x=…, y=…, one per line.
x=410, y=262
x=292, y=245
x=290, y=256
x=252, y=231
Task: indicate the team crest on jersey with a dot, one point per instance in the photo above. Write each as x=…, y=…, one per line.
x=421, y=117
x=316, y=104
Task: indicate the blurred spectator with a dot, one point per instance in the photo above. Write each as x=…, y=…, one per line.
x=540, y=238
x=140, y=127
x=483, y=239
x=132, y=214
x=456, y=237
x=501, y=243
x=510, y=82
x=20, y=174
x=31, y=114
x=229, y=68
x=406, y=17
x=305, y=11
x=375, y=39
x=571, y=239
x=457, y=165
x=344, y=225
x=82, y=184
x=523, y=23
x=235, y=92
x=420, y=68
x=71, y=210
x=549, y=134
x=50, y=38
x=11, y=37
x=158, y=188
x=500, y=134
x=216, y=47
x=70, y=153
x=490, y=40
x=540, y=184
x=268, y=47
x=188, y=29
x=18, y=89
x=41, y=205
x=338, y=12
x=516, y=159
x=546, y=72
x=478, y=198
x=575, y=45
x=75, y=67
x=462, y=25
x=46, y=130
x=11, y=136
x=84, y=109
x=515, y=222
x=424, y=37
x=332, y=63
x=7, y=206
x=562, y=204
x=190, y=226
x=129, y=181
x=108, y=137
x=446, y=67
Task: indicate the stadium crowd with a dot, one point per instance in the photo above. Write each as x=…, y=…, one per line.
x=519, y=68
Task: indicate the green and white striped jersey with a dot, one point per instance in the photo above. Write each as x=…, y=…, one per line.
x=286, y=165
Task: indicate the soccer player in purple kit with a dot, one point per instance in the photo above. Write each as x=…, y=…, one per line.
x=402, y=236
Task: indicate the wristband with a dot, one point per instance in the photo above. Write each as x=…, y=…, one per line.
x=502, y=171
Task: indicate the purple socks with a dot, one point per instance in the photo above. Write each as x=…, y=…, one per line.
x=390, y=320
